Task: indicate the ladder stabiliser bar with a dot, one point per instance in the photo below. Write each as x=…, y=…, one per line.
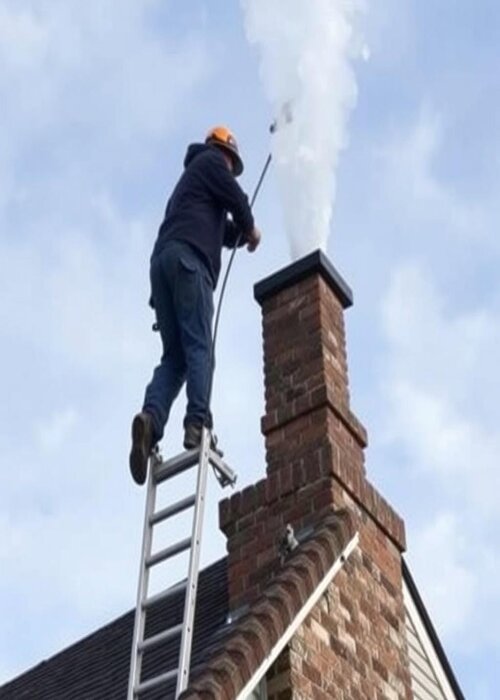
x=224, y=474
x=159, y=472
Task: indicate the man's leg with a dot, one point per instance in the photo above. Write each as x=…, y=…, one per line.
x=194, y=307
x=161, y=392
x=170, y=374
x=168, y=377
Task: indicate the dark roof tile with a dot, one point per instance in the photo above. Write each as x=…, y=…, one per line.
x=224, y=656
x=97, y=667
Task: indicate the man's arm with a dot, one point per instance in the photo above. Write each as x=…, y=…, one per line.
x=231, y=235
x=253, y=240
x=223, y=186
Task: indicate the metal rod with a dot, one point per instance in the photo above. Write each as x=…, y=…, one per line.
x=224, y=284
x=261, y=179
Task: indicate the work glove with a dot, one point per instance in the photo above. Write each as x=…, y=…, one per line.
x=253, y=239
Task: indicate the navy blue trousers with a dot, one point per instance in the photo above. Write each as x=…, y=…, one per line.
x=183, y=299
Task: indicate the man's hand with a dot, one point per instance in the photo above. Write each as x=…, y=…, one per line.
x=253, y=239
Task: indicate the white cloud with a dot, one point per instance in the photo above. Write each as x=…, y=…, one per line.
x=437, y=357
x=410, y=172
x=23, y=38
x=90, y=296
x=440, y=553
x=86, y=61
x=434, y=412
x=448, y=446
x=91, y=90
x=90, y=94
x=53, y=432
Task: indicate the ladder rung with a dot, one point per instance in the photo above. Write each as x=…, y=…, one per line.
x=154, y=682
x=164, y=594
x=172, y=510
x=168, y=552
x=176, y=465
x=151, y=642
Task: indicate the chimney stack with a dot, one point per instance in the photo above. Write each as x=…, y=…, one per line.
x=314, y=443
x=315, y=466
x=305, y=365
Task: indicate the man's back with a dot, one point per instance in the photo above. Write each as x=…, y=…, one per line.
x=196, y=211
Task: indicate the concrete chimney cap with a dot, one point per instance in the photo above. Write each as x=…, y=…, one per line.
x=316, y=262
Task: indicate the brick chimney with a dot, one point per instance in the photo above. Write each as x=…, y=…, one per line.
x=315, y=461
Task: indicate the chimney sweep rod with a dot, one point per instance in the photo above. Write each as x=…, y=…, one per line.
x=285, y=117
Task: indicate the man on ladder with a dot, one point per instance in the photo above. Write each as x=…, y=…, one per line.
x=184, y=270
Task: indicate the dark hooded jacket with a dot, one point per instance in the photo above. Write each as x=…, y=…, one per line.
x=198, y=207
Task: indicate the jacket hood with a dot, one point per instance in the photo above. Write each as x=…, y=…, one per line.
x=194, y=150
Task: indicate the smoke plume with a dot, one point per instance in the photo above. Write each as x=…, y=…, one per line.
x=307, y=49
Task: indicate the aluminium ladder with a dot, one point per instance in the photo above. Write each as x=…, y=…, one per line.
x=159, y=472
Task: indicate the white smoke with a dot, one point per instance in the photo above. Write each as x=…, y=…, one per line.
x=307, y=50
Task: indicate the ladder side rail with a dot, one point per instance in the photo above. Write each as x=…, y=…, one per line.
x=140, y=613
x=194, y=565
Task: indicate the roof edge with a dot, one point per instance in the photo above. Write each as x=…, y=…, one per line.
x=431, y=631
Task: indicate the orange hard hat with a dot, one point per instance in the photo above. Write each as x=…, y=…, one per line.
x=223, y=137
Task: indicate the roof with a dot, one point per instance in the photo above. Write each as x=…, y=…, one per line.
x=226, y=656
x=97, y=666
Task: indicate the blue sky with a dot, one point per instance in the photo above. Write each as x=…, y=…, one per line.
x=98, y=105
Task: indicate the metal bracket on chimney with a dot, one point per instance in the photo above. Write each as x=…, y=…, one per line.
x=287, y=544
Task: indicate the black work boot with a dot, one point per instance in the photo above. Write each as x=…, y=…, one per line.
x=142, y=444
x=192, y=435
x=192, y=438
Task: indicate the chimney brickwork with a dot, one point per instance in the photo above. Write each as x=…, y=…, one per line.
x=352, y=645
